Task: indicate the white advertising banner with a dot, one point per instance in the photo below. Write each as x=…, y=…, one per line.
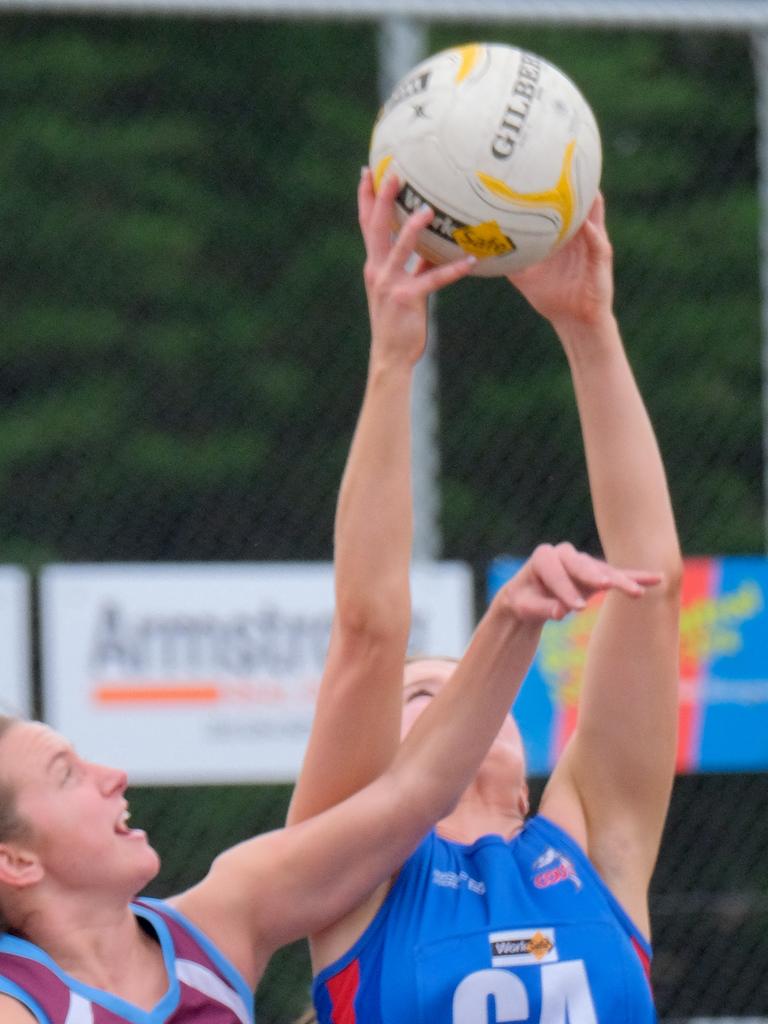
x=207, y=673
x=15, y=642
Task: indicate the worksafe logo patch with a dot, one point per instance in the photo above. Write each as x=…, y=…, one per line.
x=522, y=946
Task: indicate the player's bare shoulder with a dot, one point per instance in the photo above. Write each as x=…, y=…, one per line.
x=13, y=1012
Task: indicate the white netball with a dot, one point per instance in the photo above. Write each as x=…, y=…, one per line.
x=501, y=144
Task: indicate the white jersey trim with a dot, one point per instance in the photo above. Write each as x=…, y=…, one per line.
x=80, y=1009
x=204, y=980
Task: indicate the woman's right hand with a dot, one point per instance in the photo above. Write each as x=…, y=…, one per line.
x=574, y=285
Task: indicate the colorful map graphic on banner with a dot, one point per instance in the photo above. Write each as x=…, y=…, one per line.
x=723, y=669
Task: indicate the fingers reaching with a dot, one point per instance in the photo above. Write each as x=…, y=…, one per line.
x=379, y=214
x=405, y=243
x=596, y=213
x=556, y=577
x=429, y=278
x=441, y=276
x=365, y=198
x=558, y=580
x=390, y=257
x=592, y=575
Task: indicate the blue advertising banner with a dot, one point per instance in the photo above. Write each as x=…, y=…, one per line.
x=723, y=669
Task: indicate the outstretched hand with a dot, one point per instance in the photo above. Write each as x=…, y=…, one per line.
x=559, y=579
x=397, y=289
x=574, y=284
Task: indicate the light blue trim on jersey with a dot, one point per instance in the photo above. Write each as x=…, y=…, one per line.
x=157, y=1015
x=10, y=988
x=168, y=1003
x=555, y=835
x=227, y=968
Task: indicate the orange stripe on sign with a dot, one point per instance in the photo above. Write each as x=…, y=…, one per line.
x=203, y=693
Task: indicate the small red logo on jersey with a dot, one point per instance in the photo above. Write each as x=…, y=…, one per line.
x=558, y=869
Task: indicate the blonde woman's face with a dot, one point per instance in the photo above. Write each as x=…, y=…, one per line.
x=423, y=679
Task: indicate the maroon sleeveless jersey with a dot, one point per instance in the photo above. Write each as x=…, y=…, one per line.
x=203, y=987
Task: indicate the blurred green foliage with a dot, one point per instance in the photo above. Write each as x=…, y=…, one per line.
x=179, y=264
x=178, y=226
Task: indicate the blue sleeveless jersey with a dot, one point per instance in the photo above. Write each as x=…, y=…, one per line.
x=499, y=931
x=203, y=987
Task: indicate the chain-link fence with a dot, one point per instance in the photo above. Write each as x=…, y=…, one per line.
x=184, y=343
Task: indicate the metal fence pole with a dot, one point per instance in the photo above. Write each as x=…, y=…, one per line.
x=403, y=43
x=760, y=57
